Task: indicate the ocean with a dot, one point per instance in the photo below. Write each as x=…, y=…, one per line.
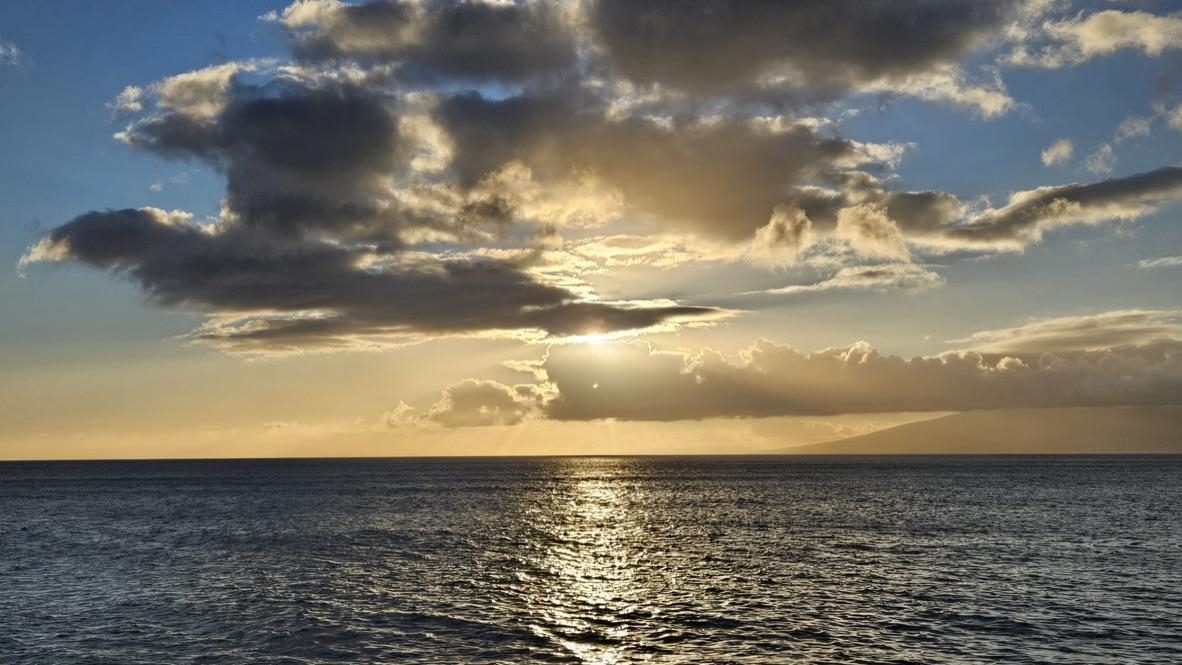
x=593, y=560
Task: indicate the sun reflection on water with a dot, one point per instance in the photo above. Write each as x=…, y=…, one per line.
x=590, y=584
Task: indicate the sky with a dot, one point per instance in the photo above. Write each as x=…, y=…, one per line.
x=412, y=227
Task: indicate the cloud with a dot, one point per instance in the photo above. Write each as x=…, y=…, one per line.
x=1102, y=160
x=1118, y=358
x=760, y=51
x=129, y=101
x=1174, y=118
x=681, y=173
x=1077, y=40
x=802, y=50
x=949, y=84
x=9, y=54
x=633, y=382
x=878, y=223
x=472, y=403
x=1163, y=262
x=266, y=292
x=202, y=93
x=307, y=157
x=1134, y=327
x=885, y=277
x=1132, y=127
x=298, y=159
x=1058, y=152
x=413, y=169
x=787, y=233
x=871, y=232
x=402, y=415
x=439, y=42
x=1028, y=215
x=598, y=253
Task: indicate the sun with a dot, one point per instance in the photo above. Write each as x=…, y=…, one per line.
x=595, y=338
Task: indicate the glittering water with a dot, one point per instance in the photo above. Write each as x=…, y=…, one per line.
x=762, y=560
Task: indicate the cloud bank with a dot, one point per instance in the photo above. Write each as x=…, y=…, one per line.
x=1117, y=358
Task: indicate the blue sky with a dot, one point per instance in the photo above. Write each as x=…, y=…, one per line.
x=57, y=129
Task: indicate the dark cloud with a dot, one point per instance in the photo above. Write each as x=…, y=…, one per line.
x=1029, y=214
x=722, y=178
x=270, y=292
x=297, y=158
x=718, y=48
x=918, y=214
x=441, y=41
x=725, y=46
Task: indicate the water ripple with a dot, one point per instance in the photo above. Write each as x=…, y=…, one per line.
x=616, y=560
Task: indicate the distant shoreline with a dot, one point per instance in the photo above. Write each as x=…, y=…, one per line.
x=645, y=456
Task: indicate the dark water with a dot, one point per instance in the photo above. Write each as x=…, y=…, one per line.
x=761, y=560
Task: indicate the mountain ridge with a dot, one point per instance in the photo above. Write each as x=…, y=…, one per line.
x=1067, y=430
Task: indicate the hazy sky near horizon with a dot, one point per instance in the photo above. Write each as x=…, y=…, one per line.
x=415, y=227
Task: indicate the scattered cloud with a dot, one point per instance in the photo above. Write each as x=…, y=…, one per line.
x=479, y=403
x=786, y=234
x=949, y=84
x=1088, y=35
x=1134, y=327
x=1132, y=127
x=1058, y=152
x=1163, y=262
x=1102, y=160
x=1174, y=118
x=129, y=101
x=9, y=54
x=887, y=277
x=599, y=253
x=475, y=403
x=181, y=178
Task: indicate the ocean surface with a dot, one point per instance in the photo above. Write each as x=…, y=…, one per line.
x=593, y=560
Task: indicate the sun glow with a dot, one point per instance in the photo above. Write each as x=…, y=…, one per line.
x=590, y=338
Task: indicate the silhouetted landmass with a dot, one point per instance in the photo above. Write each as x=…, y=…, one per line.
x=1155, y=429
